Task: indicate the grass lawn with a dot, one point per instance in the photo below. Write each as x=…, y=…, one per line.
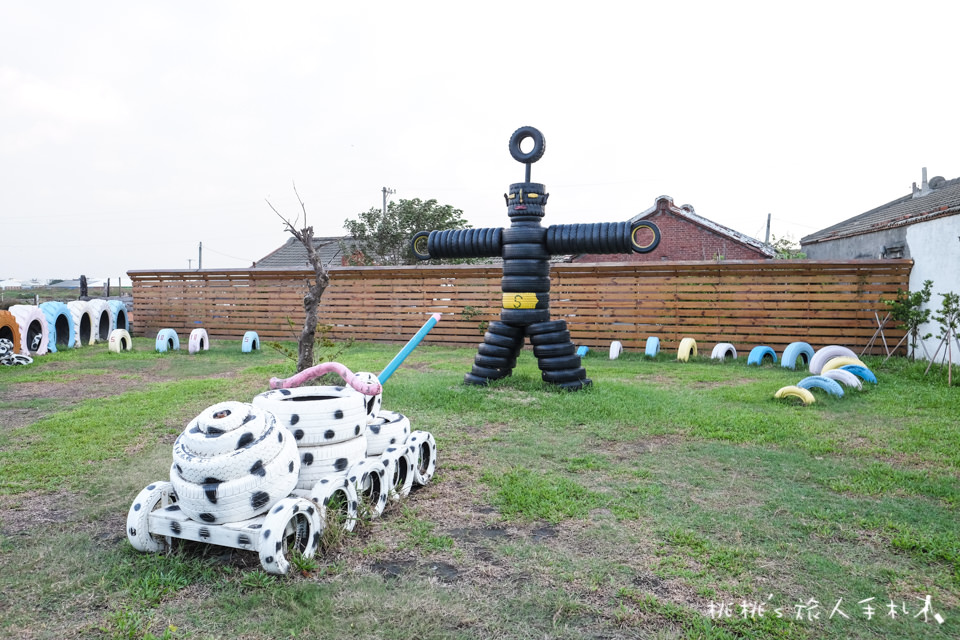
x=670, y=500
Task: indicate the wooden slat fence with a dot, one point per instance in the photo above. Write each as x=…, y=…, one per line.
x=772, y=302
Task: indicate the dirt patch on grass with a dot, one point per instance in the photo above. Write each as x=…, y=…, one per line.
x=19, y=514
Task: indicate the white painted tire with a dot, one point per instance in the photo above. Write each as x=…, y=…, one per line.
x=368, y=478
x=616, y=348
x=824, y=355
x=158, y=495
x=34, y=333
x=120, y=341
x=251, y=342
x=426, y=456
x=82, y=322
x=722, y=350
x=100, y=320
x=403, y=460
x=373, y=404
x=332, y=490
x=198, y=341
x=241, y=498
x=390, y=428
x=317, y=463
x=249, y=455
x=167, y=340
x=225, y=427
x=58, y=313
x=844, y=377
x=294, y=525
x=317, y=415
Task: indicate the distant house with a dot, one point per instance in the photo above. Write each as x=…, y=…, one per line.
x=293, y=255
x=684, y=235
x=10, y=284
x=922, y=225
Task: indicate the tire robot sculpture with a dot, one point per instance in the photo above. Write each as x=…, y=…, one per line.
x=526, y=248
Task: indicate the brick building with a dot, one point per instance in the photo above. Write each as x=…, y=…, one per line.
x=688, y=236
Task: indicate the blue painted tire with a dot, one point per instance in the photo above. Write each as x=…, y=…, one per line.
x=652, y=347
x=861, y=372
x=796, y=350
x=167, y=339
x=251, y=342
x=118, y=314
x=60, y=327
x=758, y=353
x=820, y=382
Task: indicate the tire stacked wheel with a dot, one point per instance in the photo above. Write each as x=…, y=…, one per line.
x=328, y=425
x=233, y=462
x=82, y=322
x=556, y=355
x=60, y=330
x=497, y=356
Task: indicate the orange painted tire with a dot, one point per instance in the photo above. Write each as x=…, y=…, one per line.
x=10, y=329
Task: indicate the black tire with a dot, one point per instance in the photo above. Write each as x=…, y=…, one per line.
x=475, y=380
x=651, y=245
x=491, y=374
x=524, y=316
x=575, y=385
x=420, y=243
x=533, y=235
x=525, y=251
x=554, y=350
x=567, y=375
x=493, y=351
x=502, y=341
x=526, y=268
x=503, y=329
x=521, y=134
x=524, y=284
x=557, y=337
x=493, y=362
x=559, y=364
x=547, y=327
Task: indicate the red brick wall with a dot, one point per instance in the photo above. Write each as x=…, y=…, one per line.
x=681, y=239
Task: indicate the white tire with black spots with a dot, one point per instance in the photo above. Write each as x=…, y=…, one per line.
x=403, y=460
x=338, y=502
x=389, y=429
x=425, y=464
x=158, y=495
x=368, y=478
x=316, y=463
x=225, y=427
x=249, y=453
x=293, y=525
x=317, y=415
x=824, y=355
x=372, y=404
x=242, y=498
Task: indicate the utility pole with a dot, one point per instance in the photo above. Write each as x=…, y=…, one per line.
x=386, y=192
x=189, y=263
x=767, y=240
x=200, y=258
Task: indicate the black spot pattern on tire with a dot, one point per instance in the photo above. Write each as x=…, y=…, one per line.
x=204, y=533
x=208, y=517
x=307, y=459
x=375, y=428
x=173, y=507
x=133, y=532
x=356, y=430
x=353, y=506
x=210, y=489
x=280, y=436
x=257, y=469
x=278, y=508
x=316, y=539
x=250, y=416
x=259, y=499
x=213, y=432
x=175, y=527
x=329, y=434
x=290, y=468
x=255, y=526
x=294, y=419
x=151, y=487
x=340, y=464
x=279, y=546
x=243, y=539
x=338, y=414
x=310, y=510
x=393, y=441
x=178, y=468
x=298, y=434
x=244, y=440
x=136, y=507
x=386, y=463
x=269, y=560
x=284, y=392
x=338, y=389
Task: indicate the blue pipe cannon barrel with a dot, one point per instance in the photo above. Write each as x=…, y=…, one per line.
x=526, y=248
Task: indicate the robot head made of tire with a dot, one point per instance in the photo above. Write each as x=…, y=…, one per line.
x=526, y=200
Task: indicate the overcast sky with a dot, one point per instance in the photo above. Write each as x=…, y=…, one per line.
x=132, y=131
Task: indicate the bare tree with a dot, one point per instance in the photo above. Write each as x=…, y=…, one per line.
x=315, y=287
